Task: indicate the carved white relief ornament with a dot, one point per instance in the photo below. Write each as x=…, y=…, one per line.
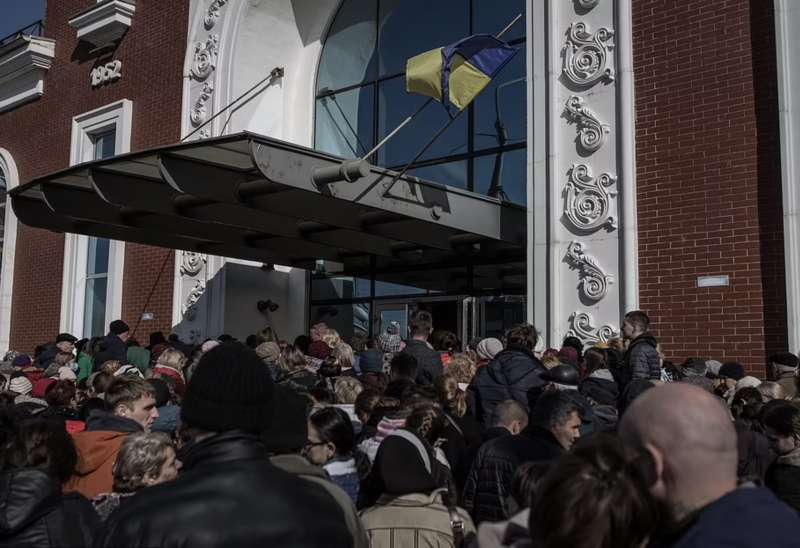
x=205, y=57
x=192, y=262
x=212, y=14
x=594, y=282
x=588, y=4
x=587, y=203
x=199, y=110
x=591, y=131
x=586, y=55
x=582, y=326
x=189, y=308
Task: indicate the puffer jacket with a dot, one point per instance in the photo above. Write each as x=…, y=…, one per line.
x=429, y=361
x=411, y=521
x=487, y=493
x=641, y=358
x=97, y=450
x=33, y=512
x=228, y=494
x=509, y=376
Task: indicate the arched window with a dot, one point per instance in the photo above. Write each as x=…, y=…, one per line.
x=361, y=93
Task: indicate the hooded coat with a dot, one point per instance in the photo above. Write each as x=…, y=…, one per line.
x=641, y=358
x=509, y=376
x=33, y=512
x=97, y=450
x=111, y=348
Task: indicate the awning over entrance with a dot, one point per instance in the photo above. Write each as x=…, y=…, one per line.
x=256, y=198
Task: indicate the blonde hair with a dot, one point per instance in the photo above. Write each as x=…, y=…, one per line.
x=347, y=390
x=343, y=355
x=550, y=362
x=449, y=392
x=617, y=344
x=292, y=359
x=462, y=367
x=331, y=337
x=141, y=455
x=111, y=366
x=172, y=358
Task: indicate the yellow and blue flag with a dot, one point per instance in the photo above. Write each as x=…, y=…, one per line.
x=460, y=71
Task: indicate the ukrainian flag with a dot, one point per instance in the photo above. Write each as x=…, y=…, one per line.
x=460, y=71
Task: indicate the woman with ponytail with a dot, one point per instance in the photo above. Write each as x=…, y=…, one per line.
x=461, y=433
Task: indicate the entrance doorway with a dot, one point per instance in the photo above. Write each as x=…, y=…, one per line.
x=446, y=312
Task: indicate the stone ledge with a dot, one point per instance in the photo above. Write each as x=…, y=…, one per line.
x=105, y=22
x=23, y=64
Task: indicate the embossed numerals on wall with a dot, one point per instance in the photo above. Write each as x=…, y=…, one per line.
x=106, y=73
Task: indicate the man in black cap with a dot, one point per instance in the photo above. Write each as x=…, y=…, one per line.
x=228, y=494
x=113, y=345
x=784, y=370
x=64, y=343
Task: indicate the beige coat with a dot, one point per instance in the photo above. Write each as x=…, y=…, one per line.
x=412, y=521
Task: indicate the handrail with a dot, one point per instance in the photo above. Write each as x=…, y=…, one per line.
x=34, y=29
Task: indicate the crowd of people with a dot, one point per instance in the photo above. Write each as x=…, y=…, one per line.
x=402, y=440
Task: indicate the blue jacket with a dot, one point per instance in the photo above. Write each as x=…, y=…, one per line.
x=749, y=517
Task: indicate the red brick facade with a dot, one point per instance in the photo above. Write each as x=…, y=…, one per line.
x=37, y=135
x=708, y=176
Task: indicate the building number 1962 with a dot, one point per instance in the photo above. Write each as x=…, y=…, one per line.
x=106, y=73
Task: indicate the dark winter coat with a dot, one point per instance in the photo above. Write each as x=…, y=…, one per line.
x=783, y=478
x=748, y=517
x=47, y=356
x=509, y=376
x=228, y=494
x=641, y=358
x=488, y=489
x=33, y=512
x=755, y=455
x=111, y=348
x=429, y=361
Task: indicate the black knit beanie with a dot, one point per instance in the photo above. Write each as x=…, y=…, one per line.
x=231, y=389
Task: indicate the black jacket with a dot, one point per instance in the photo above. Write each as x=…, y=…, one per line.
x=784, y=480
x=641, y=358
x=47, y=356
x=509, y=376
x=33, y=512
x=111, y=348
x=488, y=488
x=228, y=494
x=429, y=361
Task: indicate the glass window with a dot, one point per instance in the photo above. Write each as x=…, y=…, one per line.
x=344, y=124
x=385, y=289
x=491, y=17
x=410, y=27
x=394, y=105
x=499, y=315
x=104, y=144
x=505, y=94
x=323, y=289
x=97, y=257
x=452, y=173
x=512, y=174
x=94, y=312
x=349, y=54
x=395, y=314
x=347, y=319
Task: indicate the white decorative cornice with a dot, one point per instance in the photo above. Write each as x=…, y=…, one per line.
x=23, y=64
x=588, y=201
x=586, y=55
x=105, y=22
x=591, y=131
x=581, y=326
x=595, y=281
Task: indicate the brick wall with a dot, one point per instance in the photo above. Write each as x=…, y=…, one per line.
x=708, y=176
x=38, y=136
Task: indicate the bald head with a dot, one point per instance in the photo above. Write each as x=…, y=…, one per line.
x=690, y=434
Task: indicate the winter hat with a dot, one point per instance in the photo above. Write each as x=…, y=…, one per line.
x=66, y=374
x=268, y=351
x=489, y=348
x=52, y=370
x=208, y=345
x=66, y=337
x=156, y=337
x=732, y=370
x=746, y=382
x=713, y=367
x=22, y=361
x=405, y=464
x=289, y=429
x=569, y=355
x=390, y=342
x=40, y=387
x=319, y=350
x=128, y=371
x=118, y=327
x=371, y=361
x=20, y=385
x=561, y=374
x=694, y=367
x=230, y=390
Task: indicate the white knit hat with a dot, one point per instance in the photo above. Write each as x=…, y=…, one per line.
x=746, y=382
x=66, y=373
x=20, y=385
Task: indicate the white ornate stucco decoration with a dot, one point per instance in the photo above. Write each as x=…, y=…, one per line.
x=595, y=281
x=586, y=55
x=192, y=263
x=591, y=131
x=581, y=326
x=205, y=57
x=195, y=335
x=199, y=112
x=212, y=14
x=587, y=204
x=588, y=4
x=190, y=304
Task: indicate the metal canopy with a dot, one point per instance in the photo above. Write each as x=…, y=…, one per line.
x=252, y=197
